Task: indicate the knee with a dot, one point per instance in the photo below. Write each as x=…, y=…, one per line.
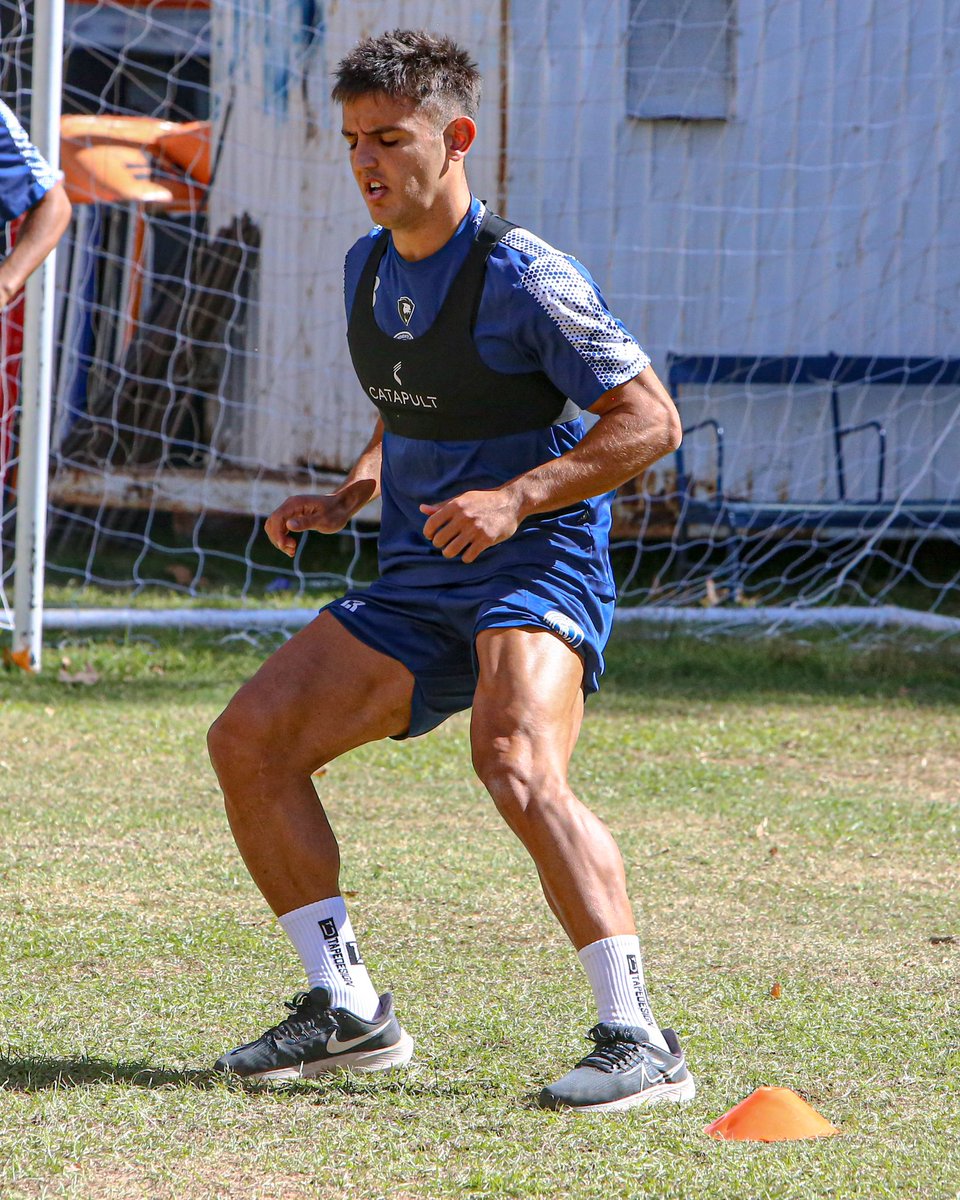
x=520, y=783
x=236, y=741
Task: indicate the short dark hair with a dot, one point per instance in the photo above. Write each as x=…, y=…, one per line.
x=427, y=68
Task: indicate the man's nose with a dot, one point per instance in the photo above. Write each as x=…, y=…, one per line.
x=364, y=155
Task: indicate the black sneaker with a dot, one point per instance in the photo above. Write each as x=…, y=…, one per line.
x=623, y=1071
x=316, y=1038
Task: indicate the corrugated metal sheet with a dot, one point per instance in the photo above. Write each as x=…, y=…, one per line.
x=822, y=216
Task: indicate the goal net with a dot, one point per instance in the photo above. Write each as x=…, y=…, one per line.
x=766, y=195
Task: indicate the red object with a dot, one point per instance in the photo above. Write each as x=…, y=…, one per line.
x=771, y=1114
x=11, y=355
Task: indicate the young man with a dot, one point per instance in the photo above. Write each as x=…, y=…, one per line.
x=27, y=185
x=479, y=344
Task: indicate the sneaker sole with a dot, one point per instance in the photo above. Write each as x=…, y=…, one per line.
x=662, y=1093
x=384, y=1058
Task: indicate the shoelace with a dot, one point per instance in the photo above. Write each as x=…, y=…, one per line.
x=610, y=1052
x=303, y=1017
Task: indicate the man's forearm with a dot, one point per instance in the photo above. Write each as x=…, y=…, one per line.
x=367, y=466
x=42, y=228
x=627, y=439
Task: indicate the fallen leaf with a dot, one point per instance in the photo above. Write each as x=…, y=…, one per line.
x=761, y=829
x=180, y=574
x=87, y=676
x=776, y=991
x=946, y=939
x=774, y=851
x=320, y=771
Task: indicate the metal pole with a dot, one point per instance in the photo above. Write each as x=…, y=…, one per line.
x=38, y=351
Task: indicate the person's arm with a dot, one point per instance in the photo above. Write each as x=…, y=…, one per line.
x=42, y=228
x=638, y=424
x=329, y=513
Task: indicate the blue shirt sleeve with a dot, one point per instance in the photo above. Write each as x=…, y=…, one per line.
x=542, y=311
x=25, y=176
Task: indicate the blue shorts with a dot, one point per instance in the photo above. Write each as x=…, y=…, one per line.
x=432, y=631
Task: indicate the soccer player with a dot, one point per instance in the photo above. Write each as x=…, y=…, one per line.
x=27, y=185
x=480, y=345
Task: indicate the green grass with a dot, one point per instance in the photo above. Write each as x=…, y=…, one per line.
x=788, y=813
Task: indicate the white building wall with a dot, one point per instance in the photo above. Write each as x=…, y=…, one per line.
x=822, y=216
x=284, y=162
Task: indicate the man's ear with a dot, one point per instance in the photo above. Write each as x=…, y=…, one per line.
x=459, y=136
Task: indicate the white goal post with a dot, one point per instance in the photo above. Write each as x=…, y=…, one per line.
x=37, y=371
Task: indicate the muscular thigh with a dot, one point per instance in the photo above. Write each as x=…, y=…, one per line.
x=530, y=687
x=322, y=693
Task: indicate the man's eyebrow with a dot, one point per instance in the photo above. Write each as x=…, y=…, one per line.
x=370, y=132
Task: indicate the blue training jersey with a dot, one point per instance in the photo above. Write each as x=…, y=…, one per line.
x=25, y=176
x=540, y=310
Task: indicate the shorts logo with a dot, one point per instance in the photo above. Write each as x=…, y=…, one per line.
x=396, y=373
x=564, y=627
x=405, y=307
x=352, y=605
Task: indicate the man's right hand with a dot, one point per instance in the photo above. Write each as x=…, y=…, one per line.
x=325, y=514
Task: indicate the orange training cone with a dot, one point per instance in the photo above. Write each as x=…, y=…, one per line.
x=771, y=1114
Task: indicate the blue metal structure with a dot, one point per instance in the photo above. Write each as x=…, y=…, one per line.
x=741, y=516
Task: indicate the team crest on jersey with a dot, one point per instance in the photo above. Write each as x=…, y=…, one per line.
x=405, y=307
x=564, y=627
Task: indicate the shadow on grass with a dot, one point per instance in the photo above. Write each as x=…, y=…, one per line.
x=672, y=668
x=35, y=1074
x=679, y=666
x=38, y=1074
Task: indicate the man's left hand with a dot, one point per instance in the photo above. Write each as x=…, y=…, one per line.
x=469, y=524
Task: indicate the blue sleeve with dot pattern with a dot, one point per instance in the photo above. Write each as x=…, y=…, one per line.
x=25, y=176
x=541, y=310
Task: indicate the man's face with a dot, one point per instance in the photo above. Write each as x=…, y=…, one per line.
x=398, y=156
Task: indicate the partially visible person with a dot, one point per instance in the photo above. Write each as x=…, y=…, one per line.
x=29, y=188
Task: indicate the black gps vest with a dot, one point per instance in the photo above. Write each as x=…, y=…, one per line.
x=436, y=387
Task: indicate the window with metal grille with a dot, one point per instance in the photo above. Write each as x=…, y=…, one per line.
x=680, y=59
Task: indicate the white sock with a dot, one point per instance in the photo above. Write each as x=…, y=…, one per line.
x=323, y=937
x=615, y=970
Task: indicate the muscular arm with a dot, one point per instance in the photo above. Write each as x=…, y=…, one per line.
x=42, y=228
x=638, y=424
x=329, y=513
